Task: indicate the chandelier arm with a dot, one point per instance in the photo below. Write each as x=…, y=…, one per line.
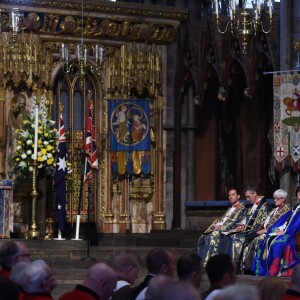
x=266, y=31
x=226, y=27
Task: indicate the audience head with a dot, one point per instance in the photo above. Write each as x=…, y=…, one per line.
x=251, y=194
x=238, y=292
x=37, y=277
x=189, y=268
x=272, y=288
x=9, y=290
x=12, y=252
x=101, y=278
x=156, y=286
x=180, y=291
x=161, y=261
x=221, y=270
x=126, y=267
x=16, y=273
x=233, y=195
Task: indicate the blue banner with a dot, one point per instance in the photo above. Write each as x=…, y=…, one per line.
x=129, y=125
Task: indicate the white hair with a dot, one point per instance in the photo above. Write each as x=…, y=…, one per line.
x=280, y=194
x=33, y=275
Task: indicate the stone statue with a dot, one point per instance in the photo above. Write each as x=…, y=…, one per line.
x=16, y=117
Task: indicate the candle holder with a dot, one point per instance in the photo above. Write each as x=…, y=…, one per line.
x=33, y=232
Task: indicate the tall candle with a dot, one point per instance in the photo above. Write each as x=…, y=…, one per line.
x=270, y=8
x=216, y=7
x=36, y=127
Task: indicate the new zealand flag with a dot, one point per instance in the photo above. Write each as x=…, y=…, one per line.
x=60, y=176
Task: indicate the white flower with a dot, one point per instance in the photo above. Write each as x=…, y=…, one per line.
x=22, y=164
x=45, y=143
x=44, y=157
x=24, y=155
x=40, y=166
x=29, y=142
x=29, y=152
x=25, y=134
x=49, y=155
x=19, y=147
x=30, y=168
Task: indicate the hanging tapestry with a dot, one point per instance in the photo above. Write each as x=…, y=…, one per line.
x=287, y=119
x=129, y=136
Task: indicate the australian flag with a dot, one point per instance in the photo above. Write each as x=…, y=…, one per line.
x=60, y=176
x=90, y=146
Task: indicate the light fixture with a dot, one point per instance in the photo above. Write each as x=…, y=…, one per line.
x=79, y=58
x=244, y=17
x=13, y=21
x=297, y=48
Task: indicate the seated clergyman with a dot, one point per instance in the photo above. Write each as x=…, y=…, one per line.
x=232, y=241
x=208, y=243
x=252, y=243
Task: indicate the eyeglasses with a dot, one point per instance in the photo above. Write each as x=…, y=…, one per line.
x=23, y=255
x=281, y=198
x=52, y=274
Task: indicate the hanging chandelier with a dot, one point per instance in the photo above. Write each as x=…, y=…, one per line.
x=83, y=53
x=11, y=21
x=244, y=18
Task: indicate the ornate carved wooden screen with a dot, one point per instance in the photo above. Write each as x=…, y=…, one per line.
x=73, y=94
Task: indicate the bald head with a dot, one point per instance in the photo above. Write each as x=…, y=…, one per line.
x=101, y=278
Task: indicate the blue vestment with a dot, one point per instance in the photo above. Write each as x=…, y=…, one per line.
x=277, y=253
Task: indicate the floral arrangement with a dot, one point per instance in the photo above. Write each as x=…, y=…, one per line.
x=46, y=145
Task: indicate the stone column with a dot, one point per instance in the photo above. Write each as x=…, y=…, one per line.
x=285, y=62
x=190, y=147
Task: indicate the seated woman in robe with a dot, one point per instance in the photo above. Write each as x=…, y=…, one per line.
x=277, y=254
x=253, y=241
x=208, y=243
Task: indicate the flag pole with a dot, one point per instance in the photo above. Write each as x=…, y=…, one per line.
x=59, y=236
x=88, y=257
x=60, y=176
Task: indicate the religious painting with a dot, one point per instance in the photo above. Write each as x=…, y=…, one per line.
x=130, y=136
x=129, y=125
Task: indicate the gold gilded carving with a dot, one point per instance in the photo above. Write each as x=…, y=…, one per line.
x=32, y=21
x=136, y=71
x=68, y=25
x=26, y=61
x=139, y=222
x=153, y=31
x=141, y=193
x=131, y=9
